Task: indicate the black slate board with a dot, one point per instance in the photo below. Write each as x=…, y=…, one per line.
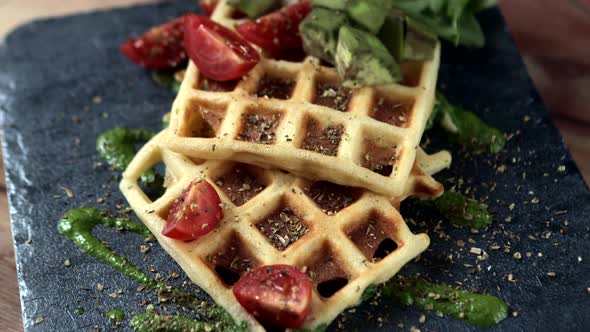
x=52, y=70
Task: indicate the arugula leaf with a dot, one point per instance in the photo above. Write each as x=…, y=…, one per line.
x=453, y=20
x=465, y=128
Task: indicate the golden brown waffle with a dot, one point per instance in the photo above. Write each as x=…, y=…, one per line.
x=296, y=116
x=345, y=238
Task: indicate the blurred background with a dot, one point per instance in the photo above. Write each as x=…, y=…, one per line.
x=553, y=37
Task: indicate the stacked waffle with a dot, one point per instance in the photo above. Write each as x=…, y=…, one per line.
x=309, y=173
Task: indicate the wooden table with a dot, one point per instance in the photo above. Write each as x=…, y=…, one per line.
x=567, y=95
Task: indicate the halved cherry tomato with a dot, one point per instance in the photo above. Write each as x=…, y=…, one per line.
x=208, y=6
x=220, y=53
x=279, y=30
x=277, y=295
x=196, y=212
x=159, y=47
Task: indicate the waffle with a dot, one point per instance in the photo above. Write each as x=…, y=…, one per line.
x=344, y=238
x=296, y=116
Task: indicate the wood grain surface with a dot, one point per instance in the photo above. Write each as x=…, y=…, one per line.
x=566, y=92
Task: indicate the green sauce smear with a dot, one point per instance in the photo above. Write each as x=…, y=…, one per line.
x=117, y=147
x=148, y=322
x=166, y=79
x=116, y=315
x=77, y=225
x=459, y=210
x=79, y=311
x=465, y=128
x=476, y=309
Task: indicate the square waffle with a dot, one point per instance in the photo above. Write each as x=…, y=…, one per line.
x=298, y=117
x=344, y=238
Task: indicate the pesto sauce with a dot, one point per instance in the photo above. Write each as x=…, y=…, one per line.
x=115, y=315
x=320, y=328
x=465, y=128
x=477, y=309
x=166, y=79
x=77, y=225
x=459, y=210
x=149, y=321
x=117, y=147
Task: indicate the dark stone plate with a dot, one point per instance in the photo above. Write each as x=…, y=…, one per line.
x=53, y=71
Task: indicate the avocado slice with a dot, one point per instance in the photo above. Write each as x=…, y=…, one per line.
x=392, y=35
x=331, y=4
x=254, y=8
x=369, y=14
x=361, y=59
x=319, y=31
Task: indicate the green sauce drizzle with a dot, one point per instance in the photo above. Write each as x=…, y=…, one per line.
x=477, y=309
x=465, y=128
x=459, y=210
x=166, y=79
x=320, y=328
x=117, y=147
x=77, y=225
x=116, y=315
x=148, y=322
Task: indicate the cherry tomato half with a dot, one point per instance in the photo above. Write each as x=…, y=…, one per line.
x=277, y=295
x=279, y=30
x=196, y=212
x=158, y=48
x=208, y=6
x=220, y=53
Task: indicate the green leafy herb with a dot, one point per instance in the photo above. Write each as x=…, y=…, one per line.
x=117, y=147
x=419, y=44
x=361, y=59
x=459, y=210
x=392, y=35
x=477, y=309
x=368, y=14
x=453, y=20
x=465, y=127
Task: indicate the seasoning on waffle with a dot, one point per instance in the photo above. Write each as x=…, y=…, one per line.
x=298, y=116
x=284, y=177
x=343, y=238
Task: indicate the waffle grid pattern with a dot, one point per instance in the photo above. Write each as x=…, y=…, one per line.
x=330, y=248
x=369, y=149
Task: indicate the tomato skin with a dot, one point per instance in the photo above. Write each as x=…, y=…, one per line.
x=194, y=213
x=279, y=30
x=277, y=295
x=219, y=53
x=208, y=6
x=158, y=48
